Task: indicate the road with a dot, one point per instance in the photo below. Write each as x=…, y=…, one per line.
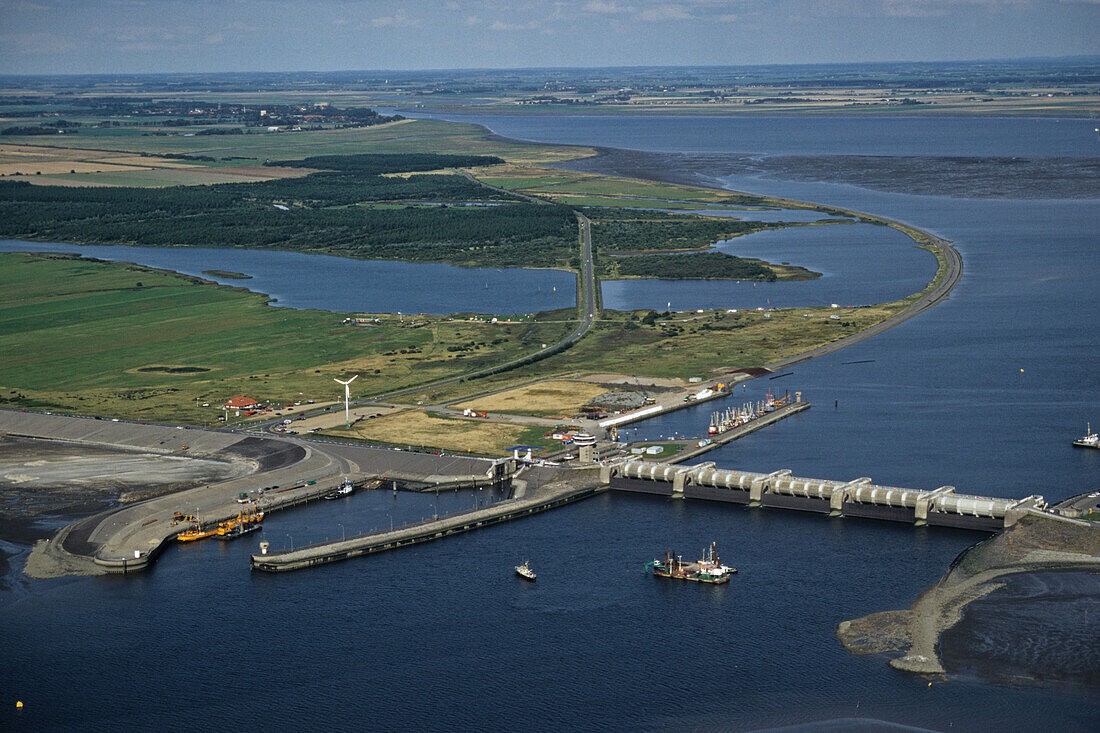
x=281, y=466
x=940, y=292
x=587, y=307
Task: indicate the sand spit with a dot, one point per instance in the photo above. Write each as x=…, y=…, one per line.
x=1039, y=541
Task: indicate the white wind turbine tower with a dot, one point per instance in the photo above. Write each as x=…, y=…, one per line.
x=347, y=398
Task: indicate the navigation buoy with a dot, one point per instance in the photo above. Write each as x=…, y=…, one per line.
x=18, y=704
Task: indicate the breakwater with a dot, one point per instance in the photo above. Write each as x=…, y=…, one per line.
x=579, y=485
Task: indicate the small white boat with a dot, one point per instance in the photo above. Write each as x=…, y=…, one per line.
x=1091, y=439
x=344, y=490
x=524, y=571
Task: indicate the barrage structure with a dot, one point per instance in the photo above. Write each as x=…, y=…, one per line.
x=856, y=498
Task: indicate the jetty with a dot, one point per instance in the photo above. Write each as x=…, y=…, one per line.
x=278, y=473
x=560, y=488
x=697, y=449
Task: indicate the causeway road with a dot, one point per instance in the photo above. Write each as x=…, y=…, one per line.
x=952, y=272
x=587, y=306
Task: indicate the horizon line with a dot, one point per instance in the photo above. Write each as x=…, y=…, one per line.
x=1020, y=59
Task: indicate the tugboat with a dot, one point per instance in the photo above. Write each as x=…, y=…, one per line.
x=229, y=529
x=709, y=569
x=1091, y=439
x=240, y=529
x=345, y=489
x=524, y=571
x=196, y=533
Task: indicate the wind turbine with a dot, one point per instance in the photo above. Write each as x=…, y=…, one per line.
x=347, y=398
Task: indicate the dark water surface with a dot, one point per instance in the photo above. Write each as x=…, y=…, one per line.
x=983, y=392
x=859, y=263
x=297, y=280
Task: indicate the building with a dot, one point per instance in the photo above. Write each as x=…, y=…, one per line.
x=241, y=402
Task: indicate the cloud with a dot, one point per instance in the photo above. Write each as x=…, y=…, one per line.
x=22, y=6
x=502, y=26
x=42, y=43
x=605, y=6
x=399, y=18
x=663, y=13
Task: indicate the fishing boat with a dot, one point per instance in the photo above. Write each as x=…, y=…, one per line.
x=708, y=569
x=243, y=523
x=524, y=571
x=197, y=533
x=1091, y=439
x=240, y=529
x=344, y=489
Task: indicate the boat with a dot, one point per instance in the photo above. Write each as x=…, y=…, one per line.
x=344, y=489
x=243, y=523
x=524, y=571
x=196, y=533
x=240, y=529
x=1091, y=439
x=708, y=569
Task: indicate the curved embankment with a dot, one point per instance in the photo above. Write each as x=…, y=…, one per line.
x=289, y=472
x=129, y=537
x=947, y=276
x=1039, y=541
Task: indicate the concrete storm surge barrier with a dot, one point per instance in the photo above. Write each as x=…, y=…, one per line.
x=856, y=498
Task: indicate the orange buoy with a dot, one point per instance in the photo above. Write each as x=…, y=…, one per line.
x=18, y=704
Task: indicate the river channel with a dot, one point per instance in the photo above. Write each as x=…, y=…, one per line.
x=984, y=392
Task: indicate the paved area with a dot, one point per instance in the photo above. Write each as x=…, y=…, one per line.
x=283, y=468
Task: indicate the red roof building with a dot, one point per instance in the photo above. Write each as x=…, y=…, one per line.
x=241, y=403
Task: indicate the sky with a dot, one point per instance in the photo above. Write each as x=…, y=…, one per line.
x=148, y=36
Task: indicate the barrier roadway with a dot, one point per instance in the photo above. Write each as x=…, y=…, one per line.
x=855, y=498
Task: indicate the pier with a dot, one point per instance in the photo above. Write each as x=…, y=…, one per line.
x=564, y=487
x=855, y=498
x=739, y=431
x=128, y=538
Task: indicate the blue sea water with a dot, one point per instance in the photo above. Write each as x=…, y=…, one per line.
x=984, y=392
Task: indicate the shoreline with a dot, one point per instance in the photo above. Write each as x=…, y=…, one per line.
x=1037, y=543
x=948, y=271
x=947, y=275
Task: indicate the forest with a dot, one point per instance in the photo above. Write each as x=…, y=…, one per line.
x=353, y=212
x=693, y=266
x=618, y=231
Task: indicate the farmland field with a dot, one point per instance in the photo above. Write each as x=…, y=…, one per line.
x=416, y=428
x=552, y=398
x=85, y=330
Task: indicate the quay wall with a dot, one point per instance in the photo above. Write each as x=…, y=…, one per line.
x=740, y=431
x=373, y=542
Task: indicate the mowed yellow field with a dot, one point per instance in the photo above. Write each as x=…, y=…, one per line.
x=555, y=397
x=32, y=160
x=80, y=167
x=416, y=428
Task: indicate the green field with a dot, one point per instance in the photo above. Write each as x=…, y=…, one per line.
x=410, y=136
x=110, y=339
x=76, y=334
x=122, y=340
